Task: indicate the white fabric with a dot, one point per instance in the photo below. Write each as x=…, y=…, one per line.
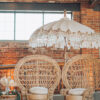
x=38, y=90
x=4, y=93
x=4, y=81
x=65, y=24
x=77, y=91
x=63, y=33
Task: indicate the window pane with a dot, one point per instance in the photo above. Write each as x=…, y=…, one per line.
x=54, y=17
x=6, y=26
x=26, y=24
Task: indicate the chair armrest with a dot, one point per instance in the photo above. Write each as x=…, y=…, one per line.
x=50, y=93
x=64, y=92
x=88, y=94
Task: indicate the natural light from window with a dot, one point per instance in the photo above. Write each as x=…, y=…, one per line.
x=54, y=17
x=20, y=26
x=6, y=26
x=26, y=24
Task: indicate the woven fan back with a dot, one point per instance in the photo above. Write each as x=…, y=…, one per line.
x=37, y=70
x=78, y=72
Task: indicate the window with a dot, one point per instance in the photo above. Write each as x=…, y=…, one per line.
x=21, y=25
x=26, y=24
x=54, y=17
x=6, y=26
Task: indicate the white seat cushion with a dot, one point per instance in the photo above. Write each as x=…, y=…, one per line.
x=38, y=90
x=77, y=91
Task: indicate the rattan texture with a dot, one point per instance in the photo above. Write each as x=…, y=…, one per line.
x=37, y=70
x=78, y=72
x=8, y=97
x=97, y=76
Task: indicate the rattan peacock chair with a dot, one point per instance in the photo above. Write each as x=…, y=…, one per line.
x=37, y=71
x=77, y=76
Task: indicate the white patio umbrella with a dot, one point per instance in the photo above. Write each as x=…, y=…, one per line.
x=65, y=32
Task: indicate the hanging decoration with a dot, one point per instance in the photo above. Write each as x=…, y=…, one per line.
x=65, y=33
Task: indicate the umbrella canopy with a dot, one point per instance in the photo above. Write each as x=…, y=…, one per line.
x=65, y=32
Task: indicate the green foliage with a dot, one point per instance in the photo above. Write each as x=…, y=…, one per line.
x=0, y=92
x=14, y=92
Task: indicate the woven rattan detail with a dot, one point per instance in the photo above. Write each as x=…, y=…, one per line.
x=97, y=76
x=8, y=97
x=37, y=70
x=78, y=72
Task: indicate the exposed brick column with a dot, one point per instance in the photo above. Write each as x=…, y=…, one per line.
x=88, y=16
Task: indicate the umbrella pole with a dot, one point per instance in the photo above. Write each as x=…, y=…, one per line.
x=65, y=49
x=65, y=13
x=65, y=56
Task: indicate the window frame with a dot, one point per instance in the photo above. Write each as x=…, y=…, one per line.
x=30, y=12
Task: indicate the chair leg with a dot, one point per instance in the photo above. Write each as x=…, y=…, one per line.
x=91, y=98
x=51, y=98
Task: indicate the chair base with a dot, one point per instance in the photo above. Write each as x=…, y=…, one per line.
x=37, y=97
x=8, y=97
x=70, y=97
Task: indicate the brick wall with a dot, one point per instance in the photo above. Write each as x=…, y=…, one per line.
x=12, y=52
x=88, y=16
x=91, y=18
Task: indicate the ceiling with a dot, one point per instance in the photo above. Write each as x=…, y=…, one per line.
x=44, y=1
x=92, y=3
